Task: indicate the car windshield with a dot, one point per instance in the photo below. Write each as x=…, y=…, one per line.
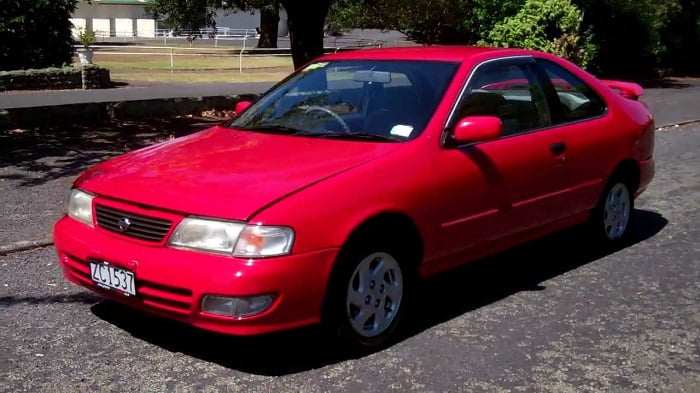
x=376, y=100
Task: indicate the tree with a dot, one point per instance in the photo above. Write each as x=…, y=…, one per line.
x=681, y=38
x=35, y=33
x=192, y=15
x=641, y=37
x=306, y=28
x=485, y=14
x=306, y=19
x=189, y=15
x=426, y=21
x=269, y=23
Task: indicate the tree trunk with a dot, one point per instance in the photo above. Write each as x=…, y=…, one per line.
x=269, y=19
x=306, y=22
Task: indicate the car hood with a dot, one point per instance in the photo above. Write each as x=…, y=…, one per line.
x=225, y=173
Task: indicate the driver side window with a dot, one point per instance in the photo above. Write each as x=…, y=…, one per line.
x=509, y=91
x=574, y=99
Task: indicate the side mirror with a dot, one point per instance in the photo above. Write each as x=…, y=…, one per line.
x=241, y=106
x=477, y=129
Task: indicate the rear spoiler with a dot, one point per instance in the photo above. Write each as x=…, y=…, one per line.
x=626, y=89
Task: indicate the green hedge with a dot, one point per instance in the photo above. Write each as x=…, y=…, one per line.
x=547, y=25
x=35, y=33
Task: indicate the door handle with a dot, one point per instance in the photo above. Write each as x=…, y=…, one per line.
x=558, y=148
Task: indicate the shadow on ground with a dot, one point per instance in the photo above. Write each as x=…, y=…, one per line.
x=460, y=291
x=42, y=154
x=80, y=297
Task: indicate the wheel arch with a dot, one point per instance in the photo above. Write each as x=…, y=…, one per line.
x=377, y=225
x=400, y=227
x=627, y=169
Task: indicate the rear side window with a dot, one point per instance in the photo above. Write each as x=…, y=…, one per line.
x=574, y=100
x=510, y=92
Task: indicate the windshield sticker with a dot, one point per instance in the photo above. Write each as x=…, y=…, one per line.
x=315, y=66
x=401, y=130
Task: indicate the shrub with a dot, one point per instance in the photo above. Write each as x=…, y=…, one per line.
x=546, y=25
x=35, y=33
x=86, y=37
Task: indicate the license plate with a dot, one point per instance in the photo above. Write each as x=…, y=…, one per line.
x=111, y=277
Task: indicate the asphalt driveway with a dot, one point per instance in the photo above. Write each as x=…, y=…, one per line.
x=38, y=166
x=554, y=315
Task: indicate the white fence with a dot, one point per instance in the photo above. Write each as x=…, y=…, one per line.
x=170, y=52
x=224, y=36
x=222, y=33
x=244, y=51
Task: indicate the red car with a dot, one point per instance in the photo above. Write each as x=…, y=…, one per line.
x=361, y=172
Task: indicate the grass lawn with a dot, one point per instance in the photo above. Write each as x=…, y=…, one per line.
x=194, y=68
x=205, y=76
x=197, y=62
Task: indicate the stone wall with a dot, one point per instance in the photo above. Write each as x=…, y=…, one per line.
x=55, y=78
x=96, y=112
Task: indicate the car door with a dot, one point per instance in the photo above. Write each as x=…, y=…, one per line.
x=579, y=114
x=496, y=188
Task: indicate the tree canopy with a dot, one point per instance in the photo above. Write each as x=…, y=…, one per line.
x=643, y=36
x=306, y=19
x=610, y=37
x=426, y=21
x=35, y=33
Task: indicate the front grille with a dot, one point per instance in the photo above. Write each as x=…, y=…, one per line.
x=140, y=227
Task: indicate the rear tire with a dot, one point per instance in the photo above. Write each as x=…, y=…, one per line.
x=612, y=218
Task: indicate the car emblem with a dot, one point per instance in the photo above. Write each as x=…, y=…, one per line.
x=123, y=224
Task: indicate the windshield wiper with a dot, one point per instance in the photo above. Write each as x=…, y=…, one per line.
x=351, y=135
x=278, y=128
x=284, y=129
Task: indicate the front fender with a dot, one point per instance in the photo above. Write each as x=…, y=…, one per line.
x=325, y=214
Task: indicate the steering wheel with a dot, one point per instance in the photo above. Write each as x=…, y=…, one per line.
x=334, y=115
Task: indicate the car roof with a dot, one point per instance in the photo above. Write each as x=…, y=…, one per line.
x=437, y=53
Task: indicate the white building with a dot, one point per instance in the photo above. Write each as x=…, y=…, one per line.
x=248, y=20
x=128, y=18
x=114, y=18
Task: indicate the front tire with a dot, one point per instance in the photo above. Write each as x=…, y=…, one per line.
x=368, y=295
x=374, y=294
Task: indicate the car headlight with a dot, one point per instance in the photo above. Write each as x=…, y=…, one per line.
x=206, y=235
x=80, y=206
x=233, y=238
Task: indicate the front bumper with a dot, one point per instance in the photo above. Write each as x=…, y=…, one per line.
x=171, y=282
